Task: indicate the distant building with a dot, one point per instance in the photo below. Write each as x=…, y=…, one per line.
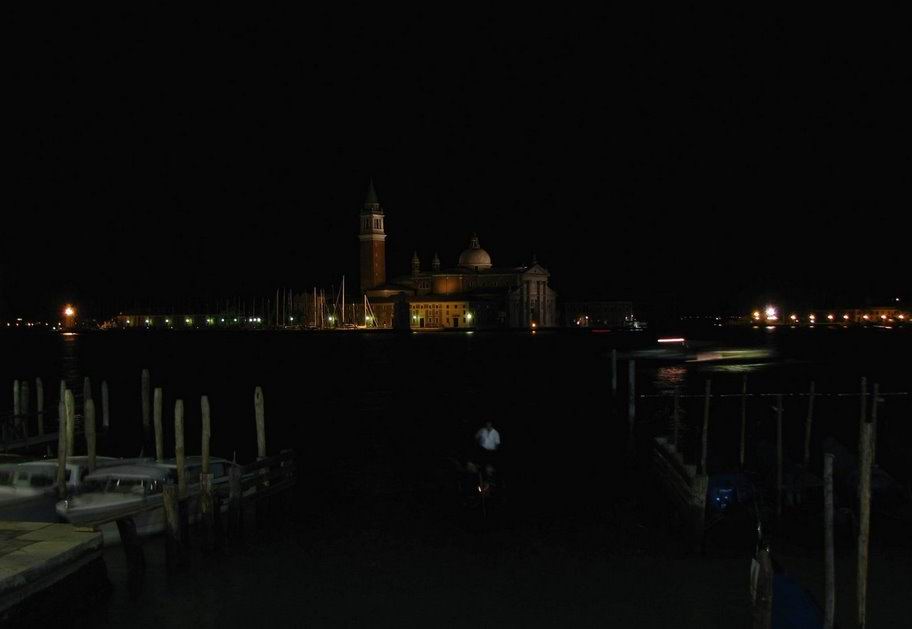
x=473, y=293
x=876, y=314
x=610, y=314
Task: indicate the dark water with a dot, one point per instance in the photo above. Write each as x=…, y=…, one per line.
x=377, y=536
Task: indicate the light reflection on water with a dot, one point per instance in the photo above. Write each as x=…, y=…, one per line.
x=742, y=368
x=668, y=378
x=69, y=362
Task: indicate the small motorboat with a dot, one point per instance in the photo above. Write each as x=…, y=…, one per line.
x=28, y=491
x=120, y=488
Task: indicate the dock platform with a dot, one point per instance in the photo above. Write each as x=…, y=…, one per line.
x=36, y=555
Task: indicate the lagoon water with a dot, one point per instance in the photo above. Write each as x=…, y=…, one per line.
x=377, y=535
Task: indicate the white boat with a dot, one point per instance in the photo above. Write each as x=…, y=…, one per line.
x=121, y=488
x=28, y=491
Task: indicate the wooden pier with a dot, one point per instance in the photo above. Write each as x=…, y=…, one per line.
x=210, y=515
x=687, y=485
x=35, y=556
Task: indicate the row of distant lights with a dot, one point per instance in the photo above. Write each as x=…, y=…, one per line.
x=28, y=324
x=771, y=315
x=211, y=320
x=415, y=317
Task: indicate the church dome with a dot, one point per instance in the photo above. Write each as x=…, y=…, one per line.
x=475, y=257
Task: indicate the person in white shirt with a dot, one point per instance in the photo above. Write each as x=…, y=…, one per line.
x=488, y=440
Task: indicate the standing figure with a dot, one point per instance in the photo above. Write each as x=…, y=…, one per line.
x=488, y=440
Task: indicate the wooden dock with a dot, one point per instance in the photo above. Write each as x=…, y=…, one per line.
x=36, y=555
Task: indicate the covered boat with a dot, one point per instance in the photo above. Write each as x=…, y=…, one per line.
x=137, y=486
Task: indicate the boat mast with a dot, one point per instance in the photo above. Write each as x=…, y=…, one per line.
x=343, y=300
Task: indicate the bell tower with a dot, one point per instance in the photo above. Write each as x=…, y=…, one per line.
x=373, y=245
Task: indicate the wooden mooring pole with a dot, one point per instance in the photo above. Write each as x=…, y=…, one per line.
x=259, y=504
x=70, y=403
x=105, y=406
x=172, y=520
x=24, y=406
x=807, y=427
x=39, y=404
x=875, y=398
x=866, y=460
x=204, y=450
x=260, y=422
x=179, y=458
x=89, y=420
x=136, y=560
x=145, y=394
x=235, y=516
x=676, y=419
x=829, y=607
x=779, y=455
x=704, y=447
x=205, y=503
x=157, y=425
x=631, y=405
x=743, y=420
x=614, y=372
x=16, y=410
x=61, y=447
x=86, y=392
x=763, y=594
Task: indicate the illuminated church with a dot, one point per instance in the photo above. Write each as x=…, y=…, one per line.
x=473, y=293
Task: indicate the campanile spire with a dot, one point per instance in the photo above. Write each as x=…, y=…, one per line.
x=373, y=241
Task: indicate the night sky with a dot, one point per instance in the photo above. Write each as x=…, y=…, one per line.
x=693, y=162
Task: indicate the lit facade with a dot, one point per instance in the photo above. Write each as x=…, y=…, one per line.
x=472, y=293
